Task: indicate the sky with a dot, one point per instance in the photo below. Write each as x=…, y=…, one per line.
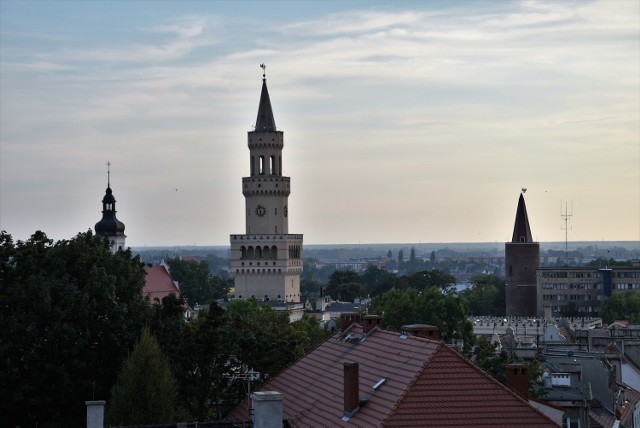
x=404, y=121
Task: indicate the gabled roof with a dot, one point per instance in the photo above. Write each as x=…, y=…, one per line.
x=426, y=384
x=521, y=229
x=158, y=283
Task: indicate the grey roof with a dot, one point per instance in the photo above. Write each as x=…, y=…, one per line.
x=265, y=121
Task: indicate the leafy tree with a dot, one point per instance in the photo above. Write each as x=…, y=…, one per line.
x=412, y=255
x=400, y=258
x=621, y=306
x=495, y=363
x=378, y=281
x=430, y=278
x=432, y=257
x=197, y=284
x=444, y=310
x=70, y=312
x=146, y=391
x=486, y=296
x=341, y=285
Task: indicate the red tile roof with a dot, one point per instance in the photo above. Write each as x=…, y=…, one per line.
x=427, y=384
x=158, y=283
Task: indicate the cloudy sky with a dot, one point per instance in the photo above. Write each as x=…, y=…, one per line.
x=405, y=121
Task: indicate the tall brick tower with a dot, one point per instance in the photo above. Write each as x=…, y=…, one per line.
x=267, y=259
x=522, y=259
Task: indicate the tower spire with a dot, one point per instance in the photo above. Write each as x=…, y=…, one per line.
x=108, y=174
x=265, y=121
x=521, y=229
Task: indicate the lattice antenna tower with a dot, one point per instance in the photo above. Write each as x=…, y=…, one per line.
x=566, y=216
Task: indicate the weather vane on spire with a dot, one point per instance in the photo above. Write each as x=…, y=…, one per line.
x=264, y=70
x=108, y=174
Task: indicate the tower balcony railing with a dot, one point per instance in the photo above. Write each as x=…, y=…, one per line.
x=267, y=236
x=266, y=177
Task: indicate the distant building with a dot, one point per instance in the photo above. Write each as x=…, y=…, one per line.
x=365, y=376
x=582, y=288
x=110, y=226
x=522, y=259
x=267, y=259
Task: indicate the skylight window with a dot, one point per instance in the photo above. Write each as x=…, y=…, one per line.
x=379, y=384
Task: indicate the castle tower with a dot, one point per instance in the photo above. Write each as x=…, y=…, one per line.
x=267, y=259
x=522, y=259
x=110, y=226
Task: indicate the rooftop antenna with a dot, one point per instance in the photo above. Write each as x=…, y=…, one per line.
x=264, y=71
x=566, y=216
x=108, y=174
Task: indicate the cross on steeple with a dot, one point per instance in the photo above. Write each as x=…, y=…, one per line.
x=108, y=174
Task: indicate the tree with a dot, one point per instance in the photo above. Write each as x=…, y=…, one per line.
x=444, y=310
x=400, y=258
x=486, y=296
x=378, y=281
x=342, y=286
x=432, y=257
x=430, y=278
x=389, y=255
x=146, y=391
x=621, y=306
x=197, y=284
x=70, y=312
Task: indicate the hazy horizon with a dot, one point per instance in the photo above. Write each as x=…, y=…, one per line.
x=403, y=121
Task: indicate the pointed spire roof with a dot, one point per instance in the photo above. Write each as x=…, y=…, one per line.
x=521, y=230
x=265, y=121
x=109, y=225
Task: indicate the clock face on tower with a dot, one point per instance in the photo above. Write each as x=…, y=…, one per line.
x=260, y=211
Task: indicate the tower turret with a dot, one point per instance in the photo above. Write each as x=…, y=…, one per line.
x=109, y=225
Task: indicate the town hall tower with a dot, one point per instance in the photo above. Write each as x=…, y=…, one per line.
x=267, y=259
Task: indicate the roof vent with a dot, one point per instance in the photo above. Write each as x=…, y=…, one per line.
x=379, y=384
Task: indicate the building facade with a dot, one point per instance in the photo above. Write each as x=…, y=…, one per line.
x=267, y=259
x=582, y=288
x=109, y=226
x=522, y=259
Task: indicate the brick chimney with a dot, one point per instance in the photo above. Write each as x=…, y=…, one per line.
x=518, y=378
x=371, y=321
x=351, y=387
x=348, y=318
x=422, y=330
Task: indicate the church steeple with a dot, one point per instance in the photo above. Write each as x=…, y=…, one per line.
x=110, y=226
x=521, y=229
x=265, y=121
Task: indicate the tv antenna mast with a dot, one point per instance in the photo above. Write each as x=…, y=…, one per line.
x=566, y=216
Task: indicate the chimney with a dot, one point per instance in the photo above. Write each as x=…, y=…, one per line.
x=371, y=321
x=351, y=387
x=267, y=409
x=518, y=378
x=95, y=413
x=422, y=330
x=348, y=318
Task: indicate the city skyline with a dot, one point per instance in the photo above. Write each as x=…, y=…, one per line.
x=403, y=121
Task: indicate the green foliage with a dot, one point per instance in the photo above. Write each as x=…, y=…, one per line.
x=197, y=284
x=431, y=306
x=429, y=278
x=486, y=296
x=495, y=364
x=378, y=281
x=621, y=306
x=604, y=263
x=146, y=391
x=345, y=285
x=70, y=312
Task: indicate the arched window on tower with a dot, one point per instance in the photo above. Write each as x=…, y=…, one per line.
x=258, y=253
x=523, y=239
x=265, y=252
x=243, y=252
x=250, y=253
x=279, y=165
x=272, y=167
x=253, y=166
x=262, y=165
x=274, y=252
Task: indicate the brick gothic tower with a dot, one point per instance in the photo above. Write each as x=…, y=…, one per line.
x=522, y=259
x=266, y=260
